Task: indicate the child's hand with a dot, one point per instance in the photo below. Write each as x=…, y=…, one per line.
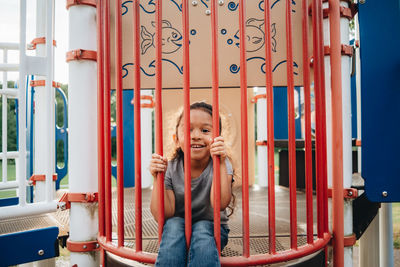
x=217, y=147
x=157, y=164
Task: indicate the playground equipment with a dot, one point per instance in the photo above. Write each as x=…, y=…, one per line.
x=319, y=69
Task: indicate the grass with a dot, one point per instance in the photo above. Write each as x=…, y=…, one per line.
x=396, y=225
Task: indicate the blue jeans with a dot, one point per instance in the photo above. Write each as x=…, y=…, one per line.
x=203, y=250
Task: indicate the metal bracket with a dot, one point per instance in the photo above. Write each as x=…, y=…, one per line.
x=152, y=104
x=35, y=83
x=261, y=143
x=39, y=40
x=40, y=177
x=81, y=54
x=85, y=246
x=80, y=2
x=348, y=193
x=349, y=240
x=254, y=99
x=67, y=198
x=347, y=50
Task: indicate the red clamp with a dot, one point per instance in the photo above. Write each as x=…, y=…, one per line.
x=152, y=104
x=67, y=198
x=81, y=54
x=85, y=246
x=347, y=50
x=40, y=177
x=345, y=12
x=358, y=142
x=349, y=240
x=80, y=2
x=255, y=98
x=261, y=143
x=349, y=193
x=35, y=83
x=39, y=40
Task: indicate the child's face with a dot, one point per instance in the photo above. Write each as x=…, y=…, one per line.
x=201, y=132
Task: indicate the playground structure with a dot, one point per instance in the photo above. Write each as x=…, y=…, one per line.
x=320, y=65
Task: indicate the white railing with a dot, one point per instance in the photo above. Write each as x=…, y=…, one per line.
x=29, y=65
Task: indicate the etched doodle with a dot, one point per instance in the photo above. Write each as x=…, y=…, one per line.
x=171, y=38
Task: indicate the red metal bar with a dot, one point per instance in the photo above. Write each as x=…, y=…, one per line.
x=186, y=121
x=120, y=151
x=316, y=5
x=270, y=121
x=136, y=115
x=107, y=122
x=158, y=114
x=307, y=115
x=337, y=134
x=215, y=103
x=244, y=129
x=291, y=126
x=100, y=115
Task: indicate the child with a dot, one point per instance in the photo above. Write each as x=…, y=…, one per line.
x=202, y=250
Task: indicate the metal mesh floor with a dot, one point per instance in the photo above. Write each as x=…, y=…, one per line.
x=258, y=203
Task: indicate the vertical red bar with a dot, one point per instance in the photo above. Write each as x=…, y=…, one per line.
x=244, y=129
x=136, y=115
x=158, y=119
x=215, y=103
x=186, y=119
x=307, y=115
x=270, y=128
x=107, y=122
x=120, y=151
x=100, y=114
x=320, y=143
x=337, y=134
x=291, y=126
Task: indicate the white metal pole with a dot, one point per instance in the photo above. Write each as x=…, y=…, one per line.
x=4, y=119
x=82, y=121
x=22, y=106
x=386, y=235
x=369, y=246
x=147, y=145
x=262, y=158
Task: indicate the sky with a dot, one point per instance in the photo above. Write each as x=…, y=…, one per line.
x=9, y=32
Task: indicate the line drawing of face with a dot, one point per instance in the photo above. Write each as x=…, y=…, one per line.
x=201, y=132
x=254, y=34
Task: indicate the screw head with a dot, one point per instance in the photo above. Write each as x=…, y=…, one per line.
x=97, y=245
x=194, y=3
x=350, y=193
x=384, y=193
x=84, y=246
x=221, y=2
x=362, y=1
x=41, y=252
x=208, y=12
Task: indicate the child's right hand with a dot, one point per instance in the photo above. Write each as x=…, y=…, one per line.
x=157, y=164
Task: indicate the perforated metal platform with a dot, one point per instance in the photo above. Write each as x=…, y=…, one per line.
x=258, y=203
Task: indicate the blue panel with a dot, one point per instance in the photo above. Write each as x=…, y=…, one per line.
x=62, y=134
x=281, y=114
x=129, y=140
x=23, y=247
x=11, y=201
x=380, y=95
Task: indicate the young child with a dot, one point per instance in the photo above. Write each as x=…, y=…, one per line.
x=202, y=250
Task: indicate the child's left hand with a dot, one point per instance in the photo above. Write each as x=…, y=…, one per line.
x=217, y=147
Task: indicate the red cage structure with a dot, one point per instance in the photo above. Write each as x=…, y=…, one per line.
x=317, y=234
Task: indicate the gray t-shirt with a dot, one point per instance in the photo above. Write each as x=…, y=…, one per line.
x=201, y=187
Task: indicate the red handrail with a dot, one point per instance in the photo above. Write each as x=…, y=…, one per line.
x=337, y=134
x=107, y=122
x=120, y=151
x=307, y=127
x=270, y=128
x=136, y=119
x=158, y=114
x=186, y=122
x=244, y=129
x=215, y=104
